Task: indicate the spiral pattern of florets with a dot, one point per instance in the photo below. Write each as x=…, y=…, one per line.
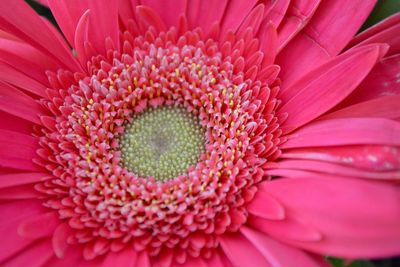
x=162, y=143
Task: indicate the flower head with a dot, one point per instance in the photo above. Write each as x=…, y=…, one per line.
x=208, y=133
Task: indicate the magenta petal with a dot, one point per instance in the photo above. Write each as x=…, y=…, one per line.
x=103, y=21
x=12, y=214
x=241, y=252
x=216, y=261
x=205, y=13
x=296, y=18
x=276, y=10
x=328, y=32
x=328, y=170
x=383, y=80
x=26, y=59
x=18, y=79
x=67, y=14
x=365, y=218
x=326, y=86
x=15, y=243
x=104, y=24
x=349, y=131
x=125, y=258
x=17, y=210
x=169, y=10
x=34, y=256
x=19, y=192
x=81, y=38
x=195, y=262
x=59, y=240
x=147, y=17
x=265, y=206
x=278, y=254
x=372, y=158
x=33, y=227
x=16, y=124
x=19, y=104
x=8, y=180
x=126, y=10
x=386, y=31
x=143, y=260
x=290, y=229
x=268, y=43
x=382, y=107
x=235, y=12
x=26, y=29
x=253, y=20
x=17, y=150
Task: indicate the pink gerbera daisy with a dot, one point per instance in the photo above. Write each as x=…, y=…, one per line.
x=198, y=133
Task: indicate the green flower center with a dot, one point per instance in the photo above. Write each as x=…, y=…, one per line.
x=162, y=142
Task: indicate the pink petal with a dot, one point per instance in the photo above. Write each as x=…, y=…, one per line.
x=19, y=104
x=82, y=38
x=19, y=192
x=387, y=31
x=15, y=124
x=276, y=10
x=268, y=42
x=328, y=170
x=26, y=59
x=15, y=243
x=104, y=24
x=357, y=218
x=291, y=229
x=17, y=150
x=125, y=258
x=382, y=107
x=125, y=10
x=195, y=262
x=15, y=211
x=328, y=32
x=18, y=79
x=265, y=206
x=103, y=20
x=253, y=20
x=205, y=13
x=12, y=214
x=34, y=256
x=169, y=10
x=163, y=259
x=8, y=180
x=217, y=261
x=33, y=227
x=143, y=259
x=241, y=252
x=326, y=86
x=67, y=15
x=59, y=239
x=297, y=16
x=235, y=13
x=349, y=131
x=278, y=254
x=372, y=158
x=383, y=80
x=26, y=29
x=147, y=17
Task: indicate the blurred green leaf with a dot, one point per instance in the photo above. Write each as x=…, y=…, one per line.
x=382, y=10
x=336, y=262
